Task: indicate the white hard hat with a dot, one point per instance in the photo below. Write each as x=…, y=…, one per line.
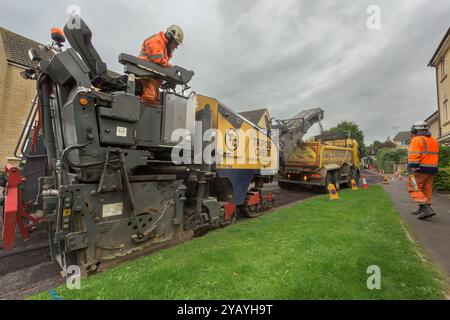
x=420, y=125
x=176, y=33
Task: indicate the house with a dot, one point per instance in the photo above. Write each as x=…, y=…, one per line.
x=260, y=117
x=16, y=93
x=401, y=140
x=371, y=151
x=441, y=61
x=433, y=124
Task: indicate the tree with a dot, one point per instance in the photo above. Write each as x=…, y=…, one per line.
x=377, y=145
x=356, y=133
x=388, y=157
x=442, y=179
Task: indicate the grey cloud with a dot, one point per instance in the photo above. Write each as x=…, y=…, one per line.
x=286, y=55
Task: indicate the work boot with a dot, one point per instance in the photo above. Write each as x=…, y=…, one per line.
x=427, y=212
x=417, y=211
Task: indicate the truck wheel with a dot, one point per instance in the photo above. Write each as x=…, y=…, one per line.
x=328, y=180
x=352, y=175
x=337, y=180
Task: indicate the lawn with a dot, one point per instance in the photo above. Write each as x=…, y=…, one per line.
x=318, y=249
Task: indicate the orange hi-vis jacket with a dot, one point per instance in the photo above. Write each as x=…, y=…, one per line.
x=424, y=154
x=154, y=49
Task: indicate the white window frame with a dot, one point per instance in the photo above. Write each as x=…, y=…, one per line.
x=446, y=113
x=443, y=69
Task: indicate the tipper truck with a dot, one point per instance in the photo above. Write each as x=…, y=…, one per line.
x=321, y=162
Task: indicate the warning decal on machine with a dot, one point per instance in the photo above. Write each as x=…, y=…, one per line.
x=113, y=209
x=121, y=132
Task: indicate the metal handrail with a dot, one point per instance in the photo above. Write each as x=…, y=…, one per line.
x=26, y=129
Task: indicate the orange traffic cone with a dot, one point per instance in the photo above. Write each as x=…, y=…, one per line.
x=364, y=183
x=334, y=195
x=354, y=185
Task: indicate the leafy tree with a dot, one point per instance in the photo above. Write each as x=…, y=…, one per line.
x=444, y=157
x=442, y=179
x=378, y=145
x=388, y=157
x=356, y=133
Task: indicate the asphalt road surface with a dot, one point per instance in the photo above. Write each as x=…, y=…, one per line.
x=372, y=177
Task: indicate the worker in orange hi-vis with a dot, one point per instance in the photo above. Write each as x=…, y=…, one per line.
x=423, y=158
x=159, y=49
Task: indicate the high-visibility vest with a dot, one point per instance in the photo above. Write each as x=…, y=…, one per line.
x=424, y=154
x=154, y=49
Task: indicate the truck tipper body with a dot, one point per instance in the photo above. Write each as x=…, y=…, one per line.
x=319, y=163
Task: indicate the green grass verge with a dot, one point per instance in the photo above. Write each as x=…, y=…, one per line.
x=318, y=249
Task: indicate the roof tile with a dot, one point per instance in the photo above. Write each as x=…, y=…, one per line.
x=254, y=115
x=402, y=135
x=17, y=46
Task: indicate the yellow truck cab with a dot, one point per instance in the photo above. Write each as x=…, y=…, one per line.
x=319, y=163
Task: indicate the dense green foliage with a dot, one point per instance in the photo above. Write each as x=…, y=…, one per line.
x=388, y=157
x=356, y=133
x=377, y=145
x=442, y=180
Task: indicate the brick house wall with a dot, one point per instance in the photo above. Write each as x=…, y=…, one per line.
x=441, y=62
x=16, y=94
x=433, y=123
x=17, y=97
x=443, y=84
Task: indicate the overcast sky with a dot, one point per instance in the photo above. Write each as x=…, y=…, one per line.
x=286, y=55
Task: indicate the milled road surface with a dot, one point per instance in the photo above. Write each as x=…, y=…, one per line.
x=284, y=197
x=28, y=269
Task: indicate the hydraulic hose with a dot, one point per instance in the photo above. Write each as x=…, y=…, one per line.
x=65, y=158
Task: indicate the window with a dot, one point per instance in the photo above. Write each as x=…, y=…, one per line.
x=443, y=70
x=446, y=109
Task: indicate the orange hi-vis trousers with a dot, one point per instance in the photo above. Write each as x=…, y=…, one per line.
x=425, y=188
x=151, y=94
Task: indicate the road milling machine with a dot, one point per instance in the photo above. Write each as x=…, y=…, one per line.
x=97, y=164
